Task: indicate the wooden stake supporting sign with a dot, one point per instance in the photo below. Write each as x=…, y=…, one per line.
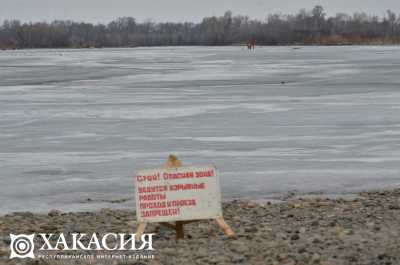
x=178, y=194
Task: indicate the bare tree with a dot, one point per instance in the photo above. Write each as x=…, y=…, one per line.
x=306, y=27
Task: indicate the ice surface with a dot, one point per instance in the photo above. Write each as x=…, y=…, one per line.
x=77, y=124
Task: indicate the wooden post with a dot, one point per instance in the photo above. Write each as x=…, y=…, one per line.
x=140, y=230
x=173, y=162
x=225, y=227
x=180, y=234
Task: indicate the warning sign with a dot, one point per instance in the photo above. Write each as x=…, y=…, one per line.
x=177, y=194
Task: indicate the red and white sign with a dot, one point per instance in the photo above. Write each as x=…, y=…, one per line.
x=177, y=194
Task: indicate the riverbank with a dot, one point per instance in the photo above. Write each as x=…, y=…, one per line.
x=322, y=43
x=301, y=230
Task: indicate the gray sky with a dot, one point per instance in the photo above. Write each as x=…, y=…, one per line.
x=175, y=10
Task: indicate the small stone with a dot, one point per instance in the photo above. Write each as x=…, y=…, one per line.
x=345, y=232
x=295, y=237
x=315, y=223
x=202, y=252
x=370, y=224
x=316, y=257
x=323, y=204
x=131, y=223
x=289, y=262
x=212, y=259
x=49, y=227
x=239, y=247
x=238, y=259
x=281, y=236
x=250, y=229
x=282, y=257
x=251, y=204
x=297, y=205
x=53, y=213
x=302, y=249
x=352, y=258
x=170, y=251
x=25, y=214
x=316, y=240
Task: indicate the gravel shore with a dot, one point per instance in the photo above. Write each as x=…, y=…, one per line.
x=301, y=230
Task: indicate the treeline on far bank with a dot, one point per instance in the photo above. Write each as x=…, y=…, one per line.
x=307, y=27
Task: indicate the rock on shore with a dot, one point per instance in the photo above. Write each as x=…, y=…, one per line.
x=364, y=230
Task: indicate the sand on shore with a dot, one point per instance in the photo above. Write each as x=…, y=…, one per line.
x=363, y=230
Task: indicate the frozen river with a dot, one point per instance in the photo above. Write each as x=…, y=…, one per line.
x=76, y=124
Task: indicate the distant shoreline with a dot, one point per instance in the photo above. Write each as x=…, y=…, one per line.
x=230, y=45
x=306, y=27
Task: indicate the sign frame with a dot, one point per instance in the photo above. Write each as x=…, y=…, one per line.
x=173, y=163
x=206, y=198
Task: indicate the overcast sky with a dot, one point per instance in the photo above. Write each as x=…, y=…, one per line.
x=175, y=10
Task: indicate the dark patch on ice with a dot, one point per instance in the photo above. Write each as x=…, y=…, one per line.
x=122, y=200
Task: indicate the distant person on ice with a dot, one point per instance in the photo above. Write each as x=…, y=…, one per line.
x=251, y=45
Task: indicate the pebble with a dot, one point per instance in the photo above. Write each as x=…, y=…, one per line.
x=53, y=213
x=295, y=237
x=239, y=247
x=238, y=259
